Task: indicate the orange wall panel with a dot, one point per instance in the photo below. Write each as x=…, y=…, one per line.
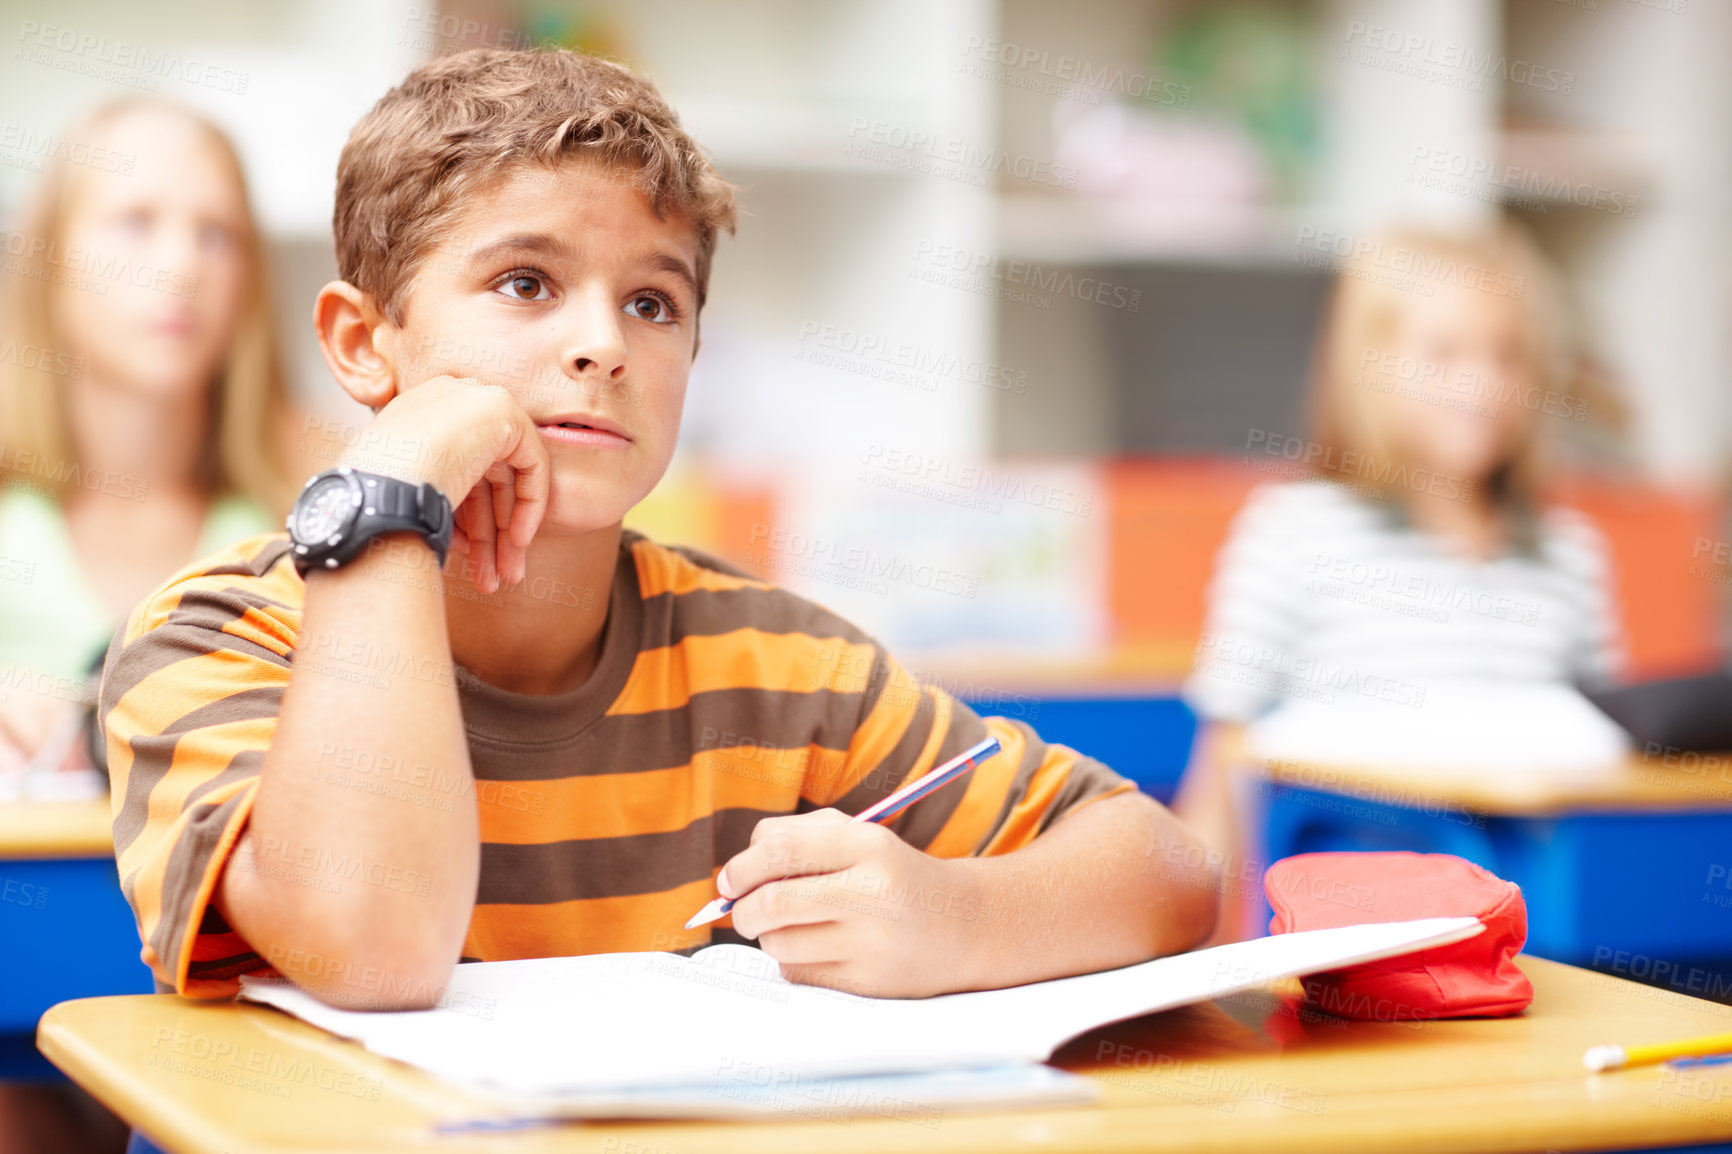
x=1169, y=519
x=1669, y=598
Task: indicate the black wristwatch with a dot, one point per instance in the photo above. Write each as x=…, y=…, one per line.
x=341, y=509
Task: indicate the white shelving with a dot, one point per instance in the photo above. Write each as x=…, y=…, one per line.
x=1075, y=230
x=1602, y=127
x=786, y=93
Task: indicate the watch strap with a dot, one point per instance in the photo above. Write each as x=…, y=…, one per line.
x=389, y=504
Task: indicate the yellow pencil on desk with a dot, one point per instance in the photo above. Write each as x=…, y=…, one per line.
x=1616, y=1057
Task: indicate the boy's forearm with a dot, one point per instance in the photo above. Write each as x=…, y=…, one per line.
x=362, y=894
x=1097, y=890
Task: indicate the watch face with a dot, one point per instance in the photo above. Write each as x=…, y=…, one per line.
x=323, y=510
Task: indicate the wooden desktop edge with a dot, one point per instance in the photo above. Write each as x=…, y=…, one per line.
x=1640, y=784
x=1617, y=1113
x=56, y=829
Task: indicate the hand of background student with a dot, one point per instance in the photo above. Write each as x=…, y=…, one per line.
x=478, y=446
x=850, y=905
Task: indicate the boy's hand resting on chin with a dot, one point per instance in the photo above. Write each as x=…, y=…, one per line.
x=849, y=904
x=478, y=446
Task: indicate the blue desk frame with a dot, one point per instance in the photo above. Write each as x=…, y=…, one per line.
x=78, y=940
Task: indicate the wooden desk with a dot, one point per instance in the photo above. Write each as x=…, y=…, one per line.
x=1247, y=1073
x=1686, y=782
x=56, y=829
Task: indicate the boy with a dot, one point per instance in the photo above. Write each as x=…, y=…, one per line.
x=570, y=743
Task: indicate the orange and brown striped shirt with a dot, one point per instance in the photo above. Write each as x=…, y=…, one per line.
x=606, y=812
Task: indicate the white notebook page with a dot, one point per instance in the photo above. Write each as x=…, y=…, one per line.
x=624, y=1021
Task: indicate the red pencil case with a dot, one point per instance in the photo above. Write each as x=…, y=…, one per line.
x=1477, y=977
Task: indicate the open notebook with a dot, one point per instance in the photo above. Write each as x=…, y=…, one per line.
x=654, y=1034
x=1537, y=731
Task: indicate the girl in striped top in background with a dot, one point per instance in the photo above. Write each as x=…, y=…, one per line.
x=1409, y=599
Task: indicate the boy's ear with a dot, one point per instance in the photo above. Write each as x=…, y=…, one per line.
x=356, y=338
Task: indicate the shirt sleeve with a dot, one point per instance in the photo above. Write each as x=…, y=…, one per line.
x=907, y=727
x=188, y=708
x=1253, y=614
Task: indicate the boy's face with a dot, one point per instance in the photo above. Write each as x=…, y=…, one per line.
x=563, y=287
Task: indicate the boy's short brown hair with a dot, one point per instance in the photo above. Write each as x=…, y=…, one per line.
x=456, y=124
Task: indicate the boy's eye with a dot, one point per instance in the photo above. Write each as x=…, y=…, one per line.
x=525, y=286
x=652, y=308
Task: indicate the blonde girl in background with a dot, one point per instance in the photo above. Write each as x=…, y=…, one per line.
x=143, y=424
x=1414, y=601
x=143, y=414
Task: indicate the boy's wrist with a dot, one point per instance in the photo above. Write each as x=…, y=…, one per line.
x=400, y=558
x=967, y=913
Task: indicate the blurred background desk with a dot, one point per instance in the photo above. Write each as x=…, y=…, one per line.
x=1144, y=735
x=68, y=931
x=1625, y=872
x=1124, y=710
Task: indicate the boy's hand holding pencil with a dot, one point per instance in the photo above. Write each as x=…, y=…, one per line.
x=849, y=904
x=841, y=901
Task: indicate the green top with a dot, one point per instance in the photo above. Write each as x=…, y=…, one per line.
x=51, y=618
